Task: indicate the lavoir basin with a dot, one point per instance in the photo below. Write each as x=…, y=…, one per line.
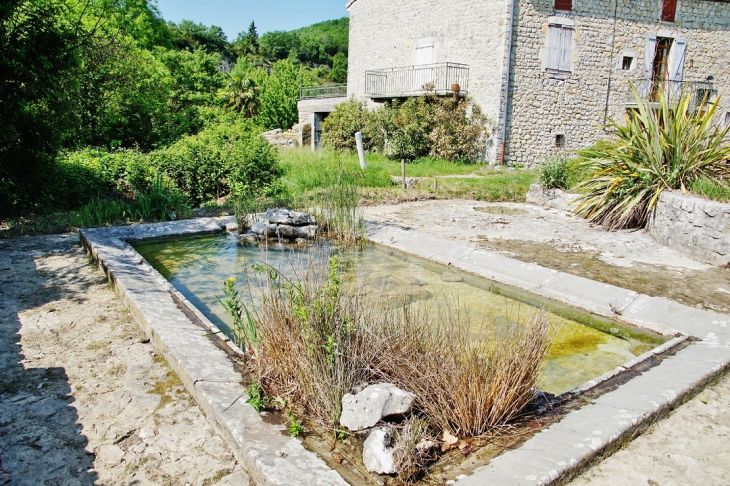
x=601, y=324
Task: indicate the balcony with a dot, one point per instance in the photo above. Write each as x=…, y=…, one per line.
x=321, y=92
x=400, y=82
x=652, y=89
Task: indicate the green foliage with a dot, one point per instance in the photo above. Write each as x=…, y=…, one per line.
x=189, y=36
x=279, y=94
x=554, y=172
x=229, y=157
x=448, y=128
x=293, y=425
x=313, y=45
x=714, y=190
x=159, y=202
x=338, y=74
x=656, y=149
x=241, y=94
x=461, y=130
x=101, y=212
x=255, y=397
x=339, y=128
x=244, y=330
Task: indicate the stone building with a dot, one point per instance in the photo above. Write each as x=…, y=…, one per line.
x=547, y=72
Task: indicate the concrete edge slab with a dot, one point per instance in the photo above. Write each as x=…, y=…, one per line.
x=270, y=457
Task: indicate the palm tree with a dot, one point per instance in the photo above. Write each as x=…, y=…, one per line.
x=242, y=95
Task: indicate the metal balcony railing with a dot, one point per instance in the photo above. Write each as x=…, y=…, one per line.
x=439, y=79
x=652, y=89
x=327, y=91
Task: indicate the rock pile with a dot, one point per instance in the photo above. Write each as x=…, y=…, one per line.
x=362, y=411
x=290, y=138
x=282, y=224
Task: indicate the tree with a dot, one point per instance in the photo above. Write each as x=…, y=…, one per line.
x=279, y=94
x=189, y=36
x=338, y=74
x=241, y=94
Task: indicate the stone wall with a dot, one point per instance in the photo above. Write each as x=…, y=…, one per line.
x=385, y=33
x=575, y=104
x=694, y=226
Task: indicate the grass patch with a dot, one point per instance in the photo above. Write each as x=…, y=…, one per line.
x=710, y=189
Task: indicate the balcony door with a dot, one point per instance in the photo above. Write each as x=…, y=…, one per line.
x=423, y=71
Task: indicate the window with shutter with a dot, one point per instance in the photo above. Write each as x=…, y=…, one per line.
x=563, y=4
x=559, y=48
x=669, y=10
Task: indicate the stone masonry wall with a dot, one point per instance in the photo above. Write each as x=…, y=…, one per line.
x=544, y=105
x=694, y=226
x=385, y=33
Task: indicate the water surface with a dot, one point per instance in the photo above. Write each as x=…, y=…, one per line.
x=585, y=347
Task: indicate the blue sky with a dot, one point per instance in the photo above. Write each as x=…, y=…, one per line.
x=233, y=16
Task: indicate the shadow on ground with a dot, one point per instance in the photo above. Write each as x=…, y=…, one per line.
x=40, y=439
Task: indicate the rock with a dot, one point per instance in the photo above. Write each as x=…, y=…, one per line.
x=278, y=216
x=377, y=452
x=301, y=219
x=308, y=232
x=110, y=454
x=248, y=239
x=288, y=232
x=374, y=403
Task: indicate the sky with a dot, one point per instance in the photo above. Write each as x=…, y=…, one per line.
x=234, y=16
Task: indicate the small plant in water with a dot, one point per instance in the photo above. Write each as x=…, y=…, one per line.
x=255, y=396
x=293, y=425
x=244, y=331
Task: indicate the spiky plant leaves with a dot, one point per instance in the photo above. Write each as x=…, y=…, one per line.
x=658, y=148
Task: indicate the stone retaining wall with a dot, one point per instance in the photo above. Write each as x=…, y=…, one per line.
x=694, y=226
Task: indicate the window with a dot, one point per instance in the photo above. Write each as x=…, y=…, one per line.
x=560, y=39
x=563, y=4
x=560, y=141
x=627, y=63
x=669, y=10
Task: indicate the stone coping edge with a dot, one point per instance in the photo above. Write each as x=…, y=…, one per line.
x=267, y=452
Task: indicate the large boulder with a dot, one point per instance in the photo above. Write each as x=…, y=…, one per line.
x=373, y=404
x=377, y=451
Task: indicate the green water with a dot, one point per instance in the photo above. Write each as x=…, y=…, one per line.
x=585, y=347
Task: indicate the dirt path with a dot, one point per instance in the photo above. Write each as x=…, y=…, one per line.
x=84, y=398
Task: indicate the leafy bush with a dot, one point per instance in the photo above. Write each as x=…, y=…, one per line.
x=339, y=128
x=554, y=172
x=230, y=157
x=459, y=135
x=449, y=128
x=669, y=147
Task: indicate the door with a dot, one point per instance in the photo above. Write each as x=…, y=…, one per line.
x=660, y=68
x=423, y=76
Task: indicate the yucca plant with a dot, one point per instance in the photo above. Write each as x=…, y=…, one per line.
x=658, y=148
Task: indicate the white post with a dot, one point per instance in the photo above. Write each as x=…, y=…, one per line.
x=360, y=150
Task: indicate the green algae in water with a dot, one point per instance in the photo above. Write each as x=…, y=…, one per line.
x=585, y=347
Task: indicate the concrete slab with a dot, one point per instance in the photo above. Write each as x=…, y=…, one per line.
x=670, y=317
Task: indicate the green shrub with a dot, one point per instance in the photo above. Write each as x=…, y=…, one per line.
x=408, y=128
x=459, y=135
x=554, y=172
x=339, y=128
x=230, y=157
x=669, y=147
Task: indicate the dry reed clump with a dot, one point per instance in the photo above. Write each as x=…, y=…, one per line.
x=316, y=341
x=465, y=384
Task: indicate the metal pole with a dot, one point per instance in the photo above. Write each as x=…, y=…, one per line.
x=360, y=150
x=507, y=83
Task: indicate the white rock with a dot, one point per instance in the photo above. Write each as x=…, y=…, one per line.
x=377, y=452
x=374, y=403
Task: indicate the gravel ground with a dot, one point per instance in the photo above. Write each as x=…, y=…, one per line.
x=84, y=397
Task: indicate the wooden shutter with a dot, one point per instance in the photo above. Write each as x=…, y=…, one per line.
x=559, y=48
x=563, y=4
x=645, y=85
x=669, y=10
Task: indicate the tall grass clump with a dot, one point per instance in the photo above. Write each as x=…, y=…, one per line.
x=668, y=147
x=554, y=172
x=317, y=339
